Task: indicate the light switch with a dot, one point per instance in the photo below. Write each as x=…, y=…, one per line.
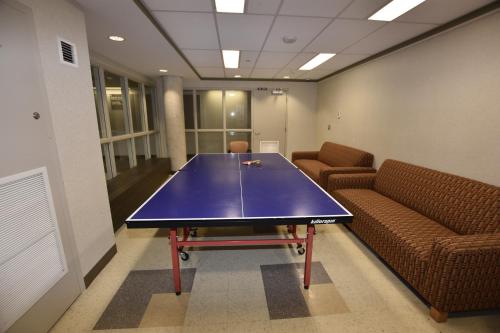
x=329, y=126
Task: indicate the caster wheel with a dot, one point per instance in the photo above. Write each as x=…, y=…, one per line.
x=184, y=256
x=301, y=250
x=299, y=246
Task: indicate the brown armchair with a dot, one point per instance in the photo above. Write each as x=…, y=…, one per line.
x=332, y=158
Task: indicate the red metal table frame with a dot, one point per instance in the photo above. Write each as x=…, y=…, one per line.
x=177, y=245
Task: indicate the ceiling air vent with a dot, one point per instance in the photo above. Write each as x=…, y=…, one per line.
x=67, y=53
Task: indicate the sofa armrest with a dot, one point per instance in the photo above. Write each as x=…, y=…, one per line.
x=305, y=155
x=325, y=173
x=464, y=273
x=350, y=180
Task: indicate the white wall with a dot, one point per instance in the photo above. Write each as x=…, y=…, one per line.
x=301, y=133
x=73, y=115
x=435, y=104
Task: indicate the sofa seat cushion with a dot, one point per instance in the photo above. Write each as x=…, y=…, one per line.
x=311, y=167
x=403, y=237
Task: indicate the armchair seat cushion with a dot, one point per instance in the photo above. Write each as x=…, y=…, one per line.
x=311, y=167
x=402, y=236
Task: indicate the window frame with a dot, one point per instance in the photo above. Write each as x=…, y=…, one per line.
x=104, y=119
x=224, y=130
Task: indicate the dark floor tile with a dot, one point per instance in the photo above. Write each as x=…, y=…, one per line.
x=283, y=292
x=318, y=272
x=127, y=307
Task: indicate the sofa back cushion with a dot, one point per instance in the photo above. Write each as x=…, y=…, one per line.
x=342, y=156
x=463, y=205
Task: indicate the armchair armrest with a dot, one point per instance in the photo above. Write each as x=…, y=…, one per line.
x=350, y=180
x=464, y=273
x=305, y=155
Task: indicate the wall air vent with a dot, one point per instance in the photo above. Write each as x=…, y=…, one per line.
x=67, y=53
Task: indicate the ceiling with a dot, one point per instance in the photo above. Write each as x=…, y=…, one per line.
x=331, y=26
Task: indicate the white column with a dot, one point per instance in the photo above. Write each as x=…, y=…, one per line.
x=160, y=107
x=174, y=118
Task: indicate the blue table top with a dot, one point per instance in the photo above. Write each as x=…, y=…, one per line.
x=216, y=189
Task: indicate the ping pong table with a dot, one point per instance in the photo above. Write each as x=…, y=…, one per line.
x=217, y=190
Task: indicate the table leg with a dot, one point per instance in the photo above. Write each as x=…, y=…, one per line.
x=175, y=260
x=309, y=248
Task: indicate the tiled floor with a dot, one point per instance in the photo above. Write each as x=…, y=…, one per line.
x=240, y=290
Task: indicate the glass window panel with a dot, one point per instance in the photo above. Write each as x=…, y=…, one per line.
x=209, y=105
x=210, y=142
x=140, y=149
x=188, y=110
x=150, y=107
x=237, y=104
x=114, y=99
x=122, y=160
x=239, y=136
x=153, y=145
x=134, y=94
x=190, y=144
x=96, y=99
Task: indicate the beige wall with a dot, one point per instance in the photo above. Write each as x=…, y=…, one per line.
x=301, y=133
x=72, y=109
x=436, y=103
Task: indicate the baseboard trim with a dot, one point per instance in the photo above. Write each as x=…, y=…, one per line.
x=92, y=274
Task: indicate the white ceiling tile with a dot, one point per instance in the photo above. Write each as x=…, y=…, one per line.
x=204, y=58
x=303, y=28
x=262, y=6
x=389, y=35
x=244, y=72
x=180, y=5
x=248, y=58
x=104, y=18
x=321, y=8
x=343, y=33
x=363, y=9
x=441, y=11
x=274, y=59
x=243, y=32
x=211, y=71
x=300, y=59
x=340, y=61
x=190, y=30
x=267, y=73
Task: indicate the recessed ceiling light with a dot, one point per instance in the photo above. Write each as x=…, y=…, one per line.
x=316, y=61
x=230, y=6
x=394, y=9
x=116, y=38
x=289, y=39
x=237, y=76
x=163, y=70
x=231, y=58
x=286, y=76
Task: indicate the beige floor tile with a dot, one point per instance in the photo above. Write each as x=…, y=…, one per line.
x=250, y=327
x=294, y=325
x=228, y=293
x=165, y=310
x=324, y=299
x=247, y=306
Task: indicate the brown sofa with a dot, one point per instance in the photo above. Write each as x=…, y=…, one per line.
x=440, y=232
x=332, y=158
